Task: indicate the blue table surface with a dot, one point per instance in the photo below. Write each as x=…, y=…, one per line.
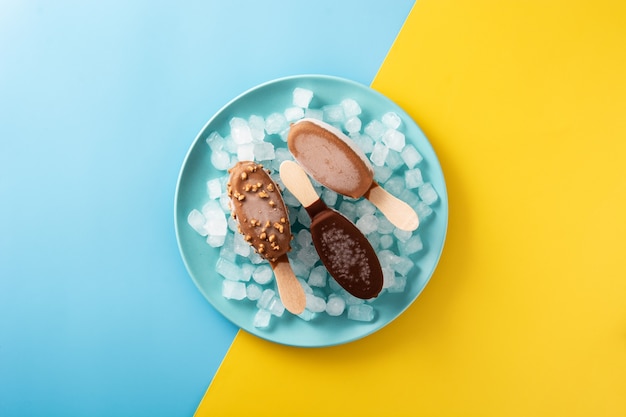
x=99, y=103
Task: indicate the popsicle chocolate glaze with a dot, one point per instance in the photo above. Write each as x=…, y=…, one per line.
x=259, y=208
x=263, y=219
x=336, y=161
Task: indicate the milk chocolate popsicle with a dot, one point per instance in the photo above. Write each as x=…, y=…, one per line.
x=343, y=249
x=260, y=211
x=335, y=161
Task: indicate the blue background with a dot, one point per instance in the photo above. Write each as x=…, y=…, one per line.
x=99, y=103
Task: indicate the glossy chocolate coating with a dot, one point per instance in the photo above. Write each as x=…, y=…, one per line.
x=330, y=157
x=345, y=252
x=258, y=207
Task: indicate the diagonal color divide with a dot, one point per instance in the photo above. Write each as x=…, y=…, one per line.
x=525, y=314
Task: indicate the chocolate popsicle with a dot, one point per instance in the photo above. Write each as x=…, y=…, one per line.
x=342, y=247
x=335, y=161
x=258, y=207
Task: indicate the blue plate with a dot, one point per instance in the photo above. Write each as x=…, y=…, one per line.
x=200, y=258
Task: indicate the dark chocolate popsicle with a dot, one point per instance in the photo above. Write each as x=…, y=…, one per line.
x=345, y=252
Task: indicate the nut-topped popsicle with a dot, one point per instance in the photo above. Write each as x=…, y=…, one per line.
x=260, y=211
x=335, y=161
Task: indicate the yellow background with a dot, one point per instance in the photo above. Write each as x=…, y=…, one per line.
x=525, y=105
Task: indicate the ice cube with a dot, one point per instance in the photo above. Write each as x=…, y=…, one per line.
x=241, y=247
x=215, y=141
x=374, y=239
x=307, y=315
x=263, y=274
x=233, y=290
x=240, y=131
x=228, y=269
x=276, y=307
x=350, y=299
x=245, y=152
x=255, y=258
x=300, y=269
x=386, y=241
x=263, y=151
x=403, y=266
x=220, y=159
x=246, y=272
x=350, y=107
x=308, y=255
x=412, y=245
x=294, y=113
x=303, y=238
x=353, y=124
x=253, y=291
x=329, y=196
x=335, y=305
x=382, y=173
x=317, y=114
x=394, y=160
x=196, y=220
x=423, y=210
x=215, y=241
x=367, y=224
x=289, y=199
x=262, y=319
x=333, y=113
x=317, y=277
x=364, y=207
x=225, y=201
x=387, y=258
x=402, y=235
x=399, y=284
x=333, y=285
x=411, y=156
x=302, y=97
x=394, y=139
x=375, y=129
x=315, y=304
x=391, y=120
x=379, y=154
x=257, y=128
x=227, y=252
x=385, y=227
x=395, y=185
x=363, y=141
x=216, y=223
x=413, y=178
x=427, y=193
x=233, y=225
x=275, y=123
x=229, y=145
x=305, y=286
x=214, y=188
x=410, y=198
x=303, y=217
x=348, y=209
x=388, y=277
x=362, y=312
x=266, y=298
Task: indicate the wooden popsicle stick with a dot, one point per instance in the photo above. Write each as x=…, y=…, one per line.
x=297, y=181
x=289, y=288
x=398, y=212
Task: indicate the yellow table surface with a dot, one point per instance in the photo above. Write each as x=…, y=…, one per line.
x=525, y=105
